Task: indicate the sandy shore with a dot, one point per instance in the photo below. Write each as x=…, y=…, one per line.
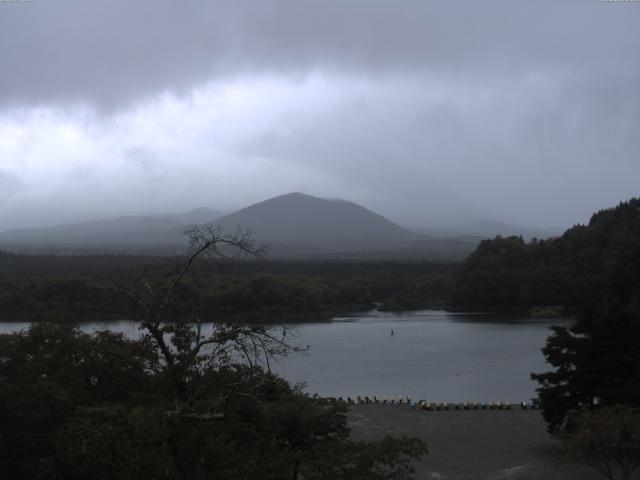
x=473, y=444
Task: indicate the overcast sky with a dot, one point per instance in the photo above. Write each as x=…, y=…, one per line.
x=522, y=111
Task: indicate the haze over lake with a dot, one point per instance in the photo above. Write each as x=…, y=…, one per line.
x=434, y=355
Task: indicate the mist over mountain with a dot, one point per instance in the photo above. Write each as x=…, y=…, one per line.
x=313, y=224
x=293, y=225
x=198, y=215
x=290, y=225
x=484, y=229
x=122, y=232
x=436, y=115
x=423, y=202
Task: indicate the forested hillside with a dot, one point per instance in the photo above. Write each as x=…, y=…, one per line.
x=586, y=264
x=78, y=287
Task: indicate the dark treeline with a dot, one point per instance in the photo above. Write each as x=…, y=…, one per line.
x=79, y=286
x=585, y=264
x=588, y=263
x=594, y=389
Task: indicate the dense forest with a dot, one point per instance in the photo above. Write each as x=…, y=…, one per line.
x=587, y=263
x=593, y=392
x=77, y=287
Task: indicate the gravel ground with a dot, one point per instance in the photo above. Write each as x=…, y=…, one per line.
x=473, y=444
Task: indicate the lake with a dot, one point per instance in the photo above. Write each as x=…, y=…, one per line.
x=432, y=355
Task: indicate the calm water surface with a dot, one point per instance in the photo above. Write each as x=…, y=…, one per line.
x=432, y=354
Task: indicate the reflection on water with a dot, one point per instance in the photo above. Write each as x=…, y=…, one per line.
x=432, y=354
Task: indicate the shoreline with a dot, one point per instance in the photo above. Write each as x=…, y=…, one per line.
x=275, y=318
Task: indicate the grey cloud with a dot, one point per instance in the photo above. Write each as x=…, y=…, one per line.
x=111, y=53
x=527, y=111
x=542, y=153
x=9, y=184
x=145, y=159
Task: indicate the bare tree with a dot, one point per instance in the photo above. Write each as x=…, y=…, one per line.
x=608, y=439
x=181, y=341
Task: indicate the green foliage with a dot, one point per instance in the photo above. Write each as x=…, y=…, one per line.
x=426, y=291
x=46, y=373
x=272, y=294
x=77, y=406
x=71, y=298
x=270, y=291
x=586, y=264
x=596, y=361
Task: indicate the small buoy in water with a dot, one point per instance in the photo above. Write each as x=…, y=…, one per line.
x=391, y=332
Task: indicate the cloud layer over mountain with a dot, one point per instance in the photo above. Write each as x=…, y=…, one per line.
x=428, y=112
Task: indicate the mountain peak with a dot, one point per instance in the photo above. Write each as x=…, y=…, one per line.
x=305, y=197
x=294, y=195
x=301, y=219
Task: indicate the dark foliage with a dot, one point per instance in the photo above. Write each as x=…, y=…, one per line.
x=77, y=406
x=78, y=287
x=596, y=361
x=586, y=264
x=47, y=373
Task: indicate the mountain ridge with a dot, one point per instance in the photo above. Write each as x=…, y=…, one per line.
x=292, y=225
x=129, y=229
